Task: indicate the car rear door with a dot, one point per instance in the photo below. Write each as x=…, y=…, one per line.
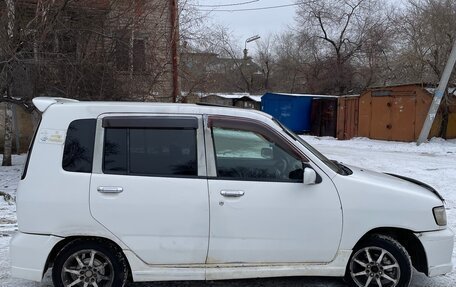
x=149, y=186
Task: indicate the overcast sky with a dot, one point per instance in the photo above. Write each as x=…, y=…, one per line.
x=244, y=24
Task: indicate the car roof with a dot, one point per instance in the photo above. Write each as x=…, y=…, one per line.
x=101, y=107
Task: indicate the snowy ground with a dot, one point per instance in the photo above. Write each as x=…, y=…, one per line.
x=433, y=163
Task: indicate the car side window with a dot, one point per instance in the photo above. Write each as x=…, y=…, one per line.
x=248, y=155
x=79, y=146
x=150, y=151
x=115, y=151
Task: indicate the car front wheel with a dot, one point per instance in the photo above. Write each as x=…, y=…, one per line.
x=379, y=261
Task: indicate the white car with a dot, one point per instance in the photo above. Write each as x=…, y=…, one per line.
x=151, y=192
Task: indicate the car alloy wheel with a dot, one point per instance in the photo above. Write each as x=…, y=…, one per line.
x=379, y=261
x=90, y=262
x=374, y=264
x=87, y=268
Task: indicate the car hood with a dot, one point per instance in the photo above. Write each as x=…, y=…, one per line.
x=394, y=181
x=419, y=183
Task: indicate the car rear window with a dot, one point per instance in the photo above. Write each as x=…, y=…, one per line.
x=79, y=146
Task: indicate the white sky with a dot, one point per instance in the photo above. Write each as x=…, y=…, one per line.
x=244, y=24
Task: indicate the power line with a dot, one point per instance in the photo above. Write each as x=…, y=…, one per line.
x=248, y=9
x=226, y=5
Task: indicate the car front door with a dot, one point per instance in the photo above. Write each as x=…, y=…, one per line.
x=149, y=186
x=261, y=211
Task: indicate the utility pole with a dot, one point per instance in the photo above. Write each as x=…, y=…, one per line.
x=438, y=95
x=174, y=48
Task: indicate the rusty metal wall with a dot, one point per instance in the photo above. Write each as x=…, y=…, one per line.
x=323, y=117
x=347, y=117
x=451, y=129
x=395, y=113
x=380, y=126
x=364, y=115
x=403, y=114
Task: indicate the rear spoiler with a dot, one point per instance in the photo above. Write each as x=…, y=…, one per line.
x=42, y=103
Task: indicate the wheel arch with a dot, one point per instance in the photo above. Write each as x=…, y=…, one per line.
x=61, y=244
x=406, y=238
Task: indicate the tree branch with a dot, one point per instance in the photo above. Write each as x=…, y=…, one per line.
x=320, y=21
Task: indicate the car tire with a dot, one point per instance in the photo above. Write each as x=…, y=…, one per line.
x=379, y=261
x=92, y=262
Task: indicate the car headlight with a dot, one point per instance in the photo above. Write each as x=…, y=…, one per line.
x=440, y=215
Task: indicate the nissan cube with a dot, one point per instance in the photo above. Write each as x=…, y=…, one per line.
x=114, y=192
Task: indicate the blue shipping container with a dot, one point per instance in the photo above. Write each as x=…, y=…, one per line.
x=291, y=110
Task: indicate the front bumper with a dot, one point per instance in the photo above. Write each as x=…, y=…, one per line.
x=438, y=246
x=29, y=253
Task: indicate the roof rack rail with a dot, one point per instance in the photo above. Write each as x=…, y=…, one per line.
x=212, y=105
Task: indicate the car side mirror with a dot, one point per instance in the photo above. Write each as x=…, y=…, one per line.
x=310, y=176
x=266, y=153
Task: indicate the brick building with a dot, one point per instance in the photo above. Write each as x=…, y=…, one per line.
x=97, y=49
x=88, y=50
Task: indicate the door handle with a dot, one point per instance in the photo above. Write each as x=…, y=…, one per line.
x=110, y=189
x=232, y=193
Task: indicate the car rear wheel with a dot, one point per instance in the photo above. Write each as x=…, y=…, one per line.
x=380, y=261
x=88, y=263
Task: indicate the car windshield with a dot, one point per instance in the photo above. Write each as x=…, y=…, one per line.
x=334, y=165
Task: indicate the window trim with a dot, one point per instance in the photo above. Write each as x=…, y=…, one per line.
x=99, y=138
x=150, y=122
x=30, y=150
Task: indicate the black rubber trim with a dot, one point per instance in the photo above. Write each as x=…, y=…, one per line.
x=150, y=122
x=254, y=179
x=30, y=149
x=417, y=182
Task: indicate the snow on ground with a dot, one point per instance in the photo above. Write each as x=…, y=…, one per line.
x=9, y=177
x=433, y=163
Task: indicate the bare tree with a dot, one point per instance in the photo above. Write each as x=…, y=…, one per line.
x=265, y=58
x=93, y=49
x=378, y=52
x=342, y=27
x=9, y=36
x=289, y=63
x=300, y=66
x=428, y=30
x=214, y=63
x=85, y=49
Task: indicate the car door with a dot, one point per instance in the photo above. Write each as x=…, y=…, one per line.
x=261, y=211
x=149, y=186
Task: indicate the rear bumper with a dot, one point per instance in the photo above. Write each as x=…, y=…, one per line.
x=438, y=246
x=29, y=253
